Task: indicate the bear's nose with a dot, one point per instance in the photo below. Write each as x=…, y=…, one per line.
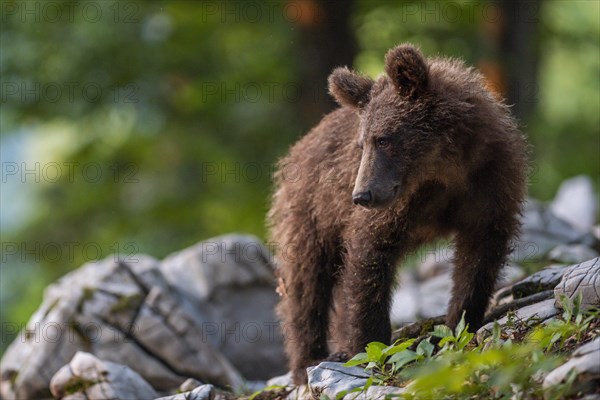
x=362, y=198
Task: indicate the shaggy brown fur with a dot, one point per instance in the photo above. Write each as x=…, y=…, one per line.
x=440, y=156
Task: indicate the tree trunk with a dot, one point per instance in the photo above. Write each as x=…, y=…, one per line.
x=326, y=41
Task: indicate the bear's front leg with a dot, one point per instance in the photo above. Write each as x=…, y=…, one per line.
x=367, y=282
x=480, y=255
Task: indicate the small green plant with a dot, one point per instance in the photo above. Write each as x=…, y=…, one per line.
x=505, y=366
x=455, y=341
x=571, y=328
x=387, y=363
x=264, y=393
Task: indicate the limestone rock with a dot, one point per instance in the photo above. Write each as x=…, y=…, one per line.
x=542, y=231
x=581, y=279
x=229, y=283
x=414, y=299
x=282, y=380
x=92, y=378
x=405, y=300
x=92, y=309
x=435, y=263
x=132, y=313
x=189, y=385
x=331, y=378
x=572, y=254
x=202, y=392
x=529, y=315
x=576, y=203
x=585, y=361
x=301, y=392
x=376, y=393
x=545, y=279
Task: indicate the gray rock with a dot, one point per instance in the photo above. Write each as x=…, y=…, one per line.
x=202, y=270
x=540, y=281
x=124, y=312
x=497, y=310
x=572, y=254
x=203, y=392
x=587, y=348
x=435, y=263
x=376, y=393
x=301, y=392
x=538, y=312
x=405, y=300
x=282, y=380
x=416, y=300
x=189, y=385
x=229, y=282
x=591, y=397
x=585, y=361
x=330, y=378
x=92, y=378
x=417, y=328
x=529, y=315
x=509, y=275
x=434, y=296
x=542, y=231
x=581, y=279
x=596, y=231
x=576, y=203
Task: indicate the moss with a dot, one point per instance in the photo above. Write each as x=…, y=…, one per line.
x=426, y=327
x=127, y=302
x=51, y=307
x=87, y=294
x=79, y=331
x=13, y=375
x=78, y=384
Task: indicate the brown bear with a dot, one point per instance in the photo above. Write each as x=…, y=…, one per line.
x=423, y=152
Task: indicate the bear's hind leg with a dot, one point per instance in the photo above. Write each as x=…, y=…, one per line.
x=305, y=304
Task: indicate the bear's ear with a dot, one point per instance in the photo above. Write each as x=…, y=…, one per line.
x=408, y=70
x=349, y=88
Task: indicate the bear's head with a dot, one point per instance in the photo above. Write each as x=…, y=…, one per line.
x=395, y=129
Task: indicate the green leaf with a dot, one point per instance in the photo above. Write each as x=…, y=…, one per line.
x=371, y=365
x=461, y=326
x=375, y=351
x=401, y=359
x=425, y=348
x=360, y=358
x=368, y=383
x=396, y=348
x=464, y=339
x=577, y=303
x=496, y=332
x=447, y=339
x=441, y=331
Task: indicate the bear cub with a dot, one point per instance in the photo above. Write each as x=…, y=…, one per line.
x=421, y=153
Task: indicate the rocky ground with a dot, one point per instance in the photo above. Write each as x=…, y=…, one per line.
x=200, y=323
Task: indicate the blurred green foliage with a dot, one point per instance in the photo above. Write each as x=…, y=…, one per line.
x=171, y=114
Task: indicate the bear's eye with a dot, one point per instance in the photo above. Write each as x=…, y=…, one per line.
x=383, y=142
x=360, y=145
